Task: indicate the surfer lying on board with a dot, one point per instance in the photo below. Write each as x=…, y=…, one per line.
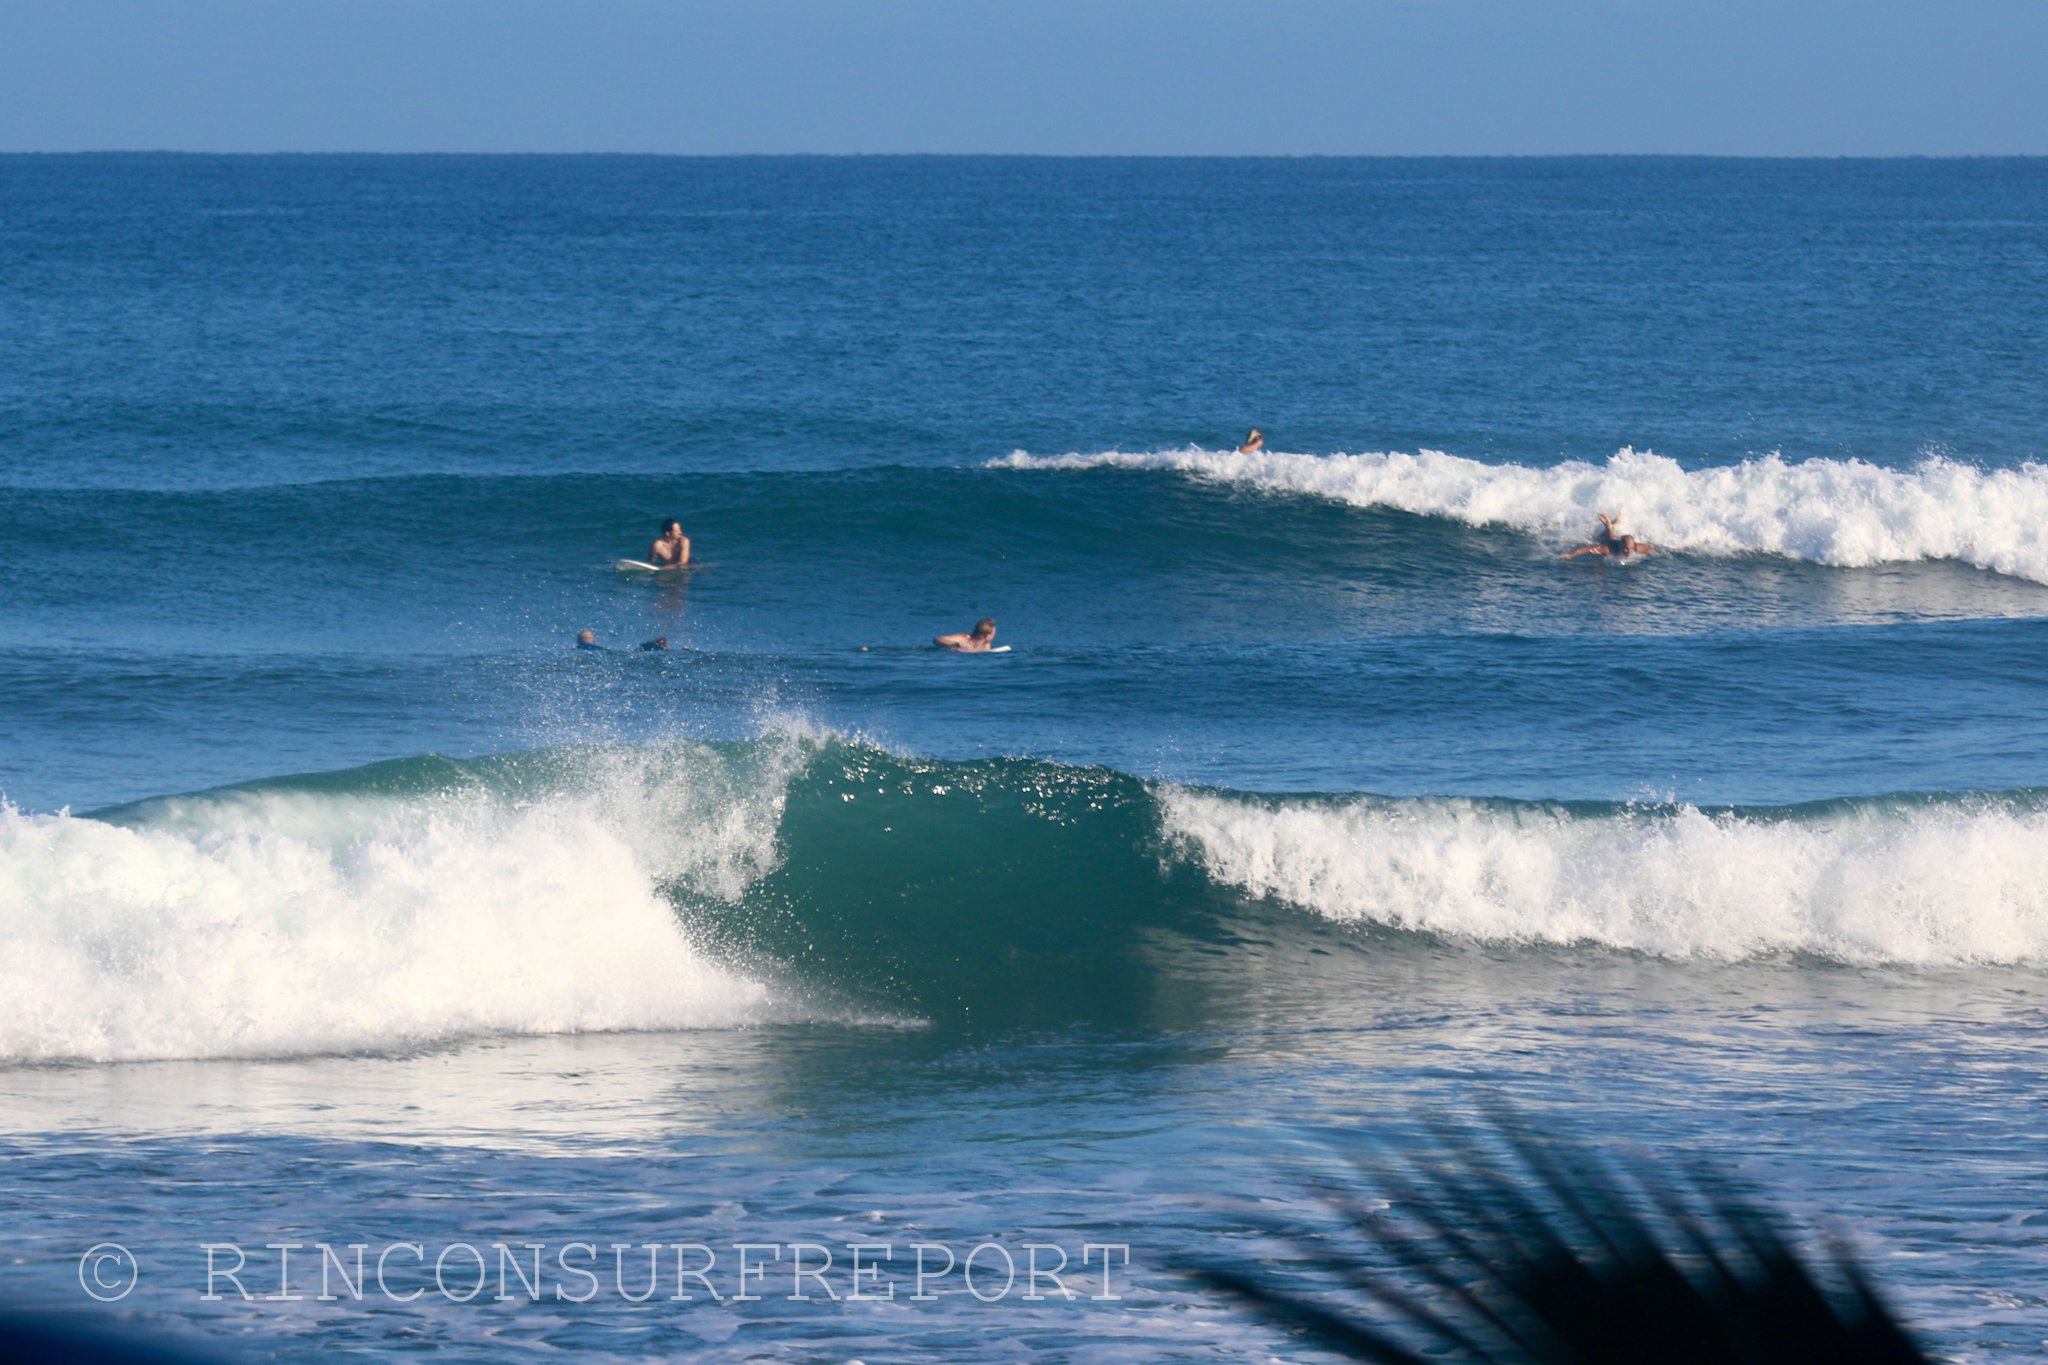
x=1609, y=543
x=1253, y=443
x=965, y=642
x=672, y=549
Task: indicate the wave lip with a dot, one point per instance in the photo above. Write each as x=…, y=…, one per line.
x=1842, y=513
x=1890, y=881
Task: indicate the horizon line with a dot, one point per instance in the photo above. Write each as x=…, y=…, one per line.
x=1070, y=156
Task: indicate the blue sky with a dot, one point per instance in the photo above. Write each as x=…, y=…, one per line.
x=1792, y=78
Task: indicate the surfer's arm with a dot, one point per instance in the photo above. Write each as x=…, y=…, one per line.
x=1584, y=550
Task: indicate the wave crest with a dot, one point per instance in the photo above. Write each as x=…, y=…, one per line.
x=1844, y=513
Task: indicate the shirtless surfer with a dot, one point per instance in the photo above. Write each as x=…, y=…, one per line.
x=1609, y=543
x=672, y=549
x=1253, y=443
x=976, y=641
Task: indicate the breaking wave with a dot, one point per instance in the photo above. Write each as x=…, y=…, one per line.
x=1901, y=879
x=384, y=908
x=719, y=885
x=1844, y=513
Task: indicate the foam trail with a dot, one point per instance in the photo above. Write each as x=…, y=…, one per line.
x=264, y=923
x=1845, y=513
x=1900, y=881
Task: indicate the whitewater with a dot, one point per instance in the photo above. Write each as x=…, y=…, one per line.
x=1841, y=513
x=139, y=944
x=1868, y=882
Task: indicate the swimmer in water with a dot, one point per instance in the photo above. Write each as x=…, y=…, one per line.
x=1253, y=443
x=1609, y=543
x=672, y=549
x=965, y=642
x=587, y=639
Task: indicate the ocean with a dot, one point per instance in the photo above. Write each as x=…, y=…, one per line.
x=380, y=975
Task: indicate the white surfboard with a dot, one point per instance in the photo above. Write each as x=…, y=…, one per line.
x=636, y=566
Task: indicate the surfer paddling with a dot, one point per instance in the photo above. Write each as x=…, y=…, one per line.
x=1608, y=543
x=1253, y=443
x=976, y=641
x=672, y=549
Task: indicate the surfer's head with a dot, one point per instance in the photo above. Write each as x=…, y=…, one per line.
x=671, y=527
x=985, y=628
x=586, y=637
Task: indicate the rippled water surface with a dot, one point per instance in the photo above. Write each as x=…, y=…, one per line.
x=344, y=903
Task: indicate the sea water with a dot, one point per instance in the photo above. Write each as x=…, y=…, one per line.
x=343, y=905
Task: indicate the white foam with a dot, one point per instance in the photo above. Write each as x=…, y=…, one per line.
x=283, y=922
x=1909, y=883
x=1845, y=513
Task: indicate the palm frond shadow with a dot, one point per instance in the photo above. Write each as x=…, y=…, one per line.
x=1511, y=1247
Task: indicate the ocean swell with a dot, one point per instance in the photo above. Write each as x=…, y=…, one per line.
x=1845, y=513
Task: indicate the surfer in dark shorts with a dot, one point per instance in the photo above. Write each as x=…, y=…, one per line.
x=672, y=549
x=976, y=641
x=1609, y=543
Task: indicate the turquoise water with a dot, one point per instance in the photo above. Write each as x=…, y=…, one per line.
x=345, y=903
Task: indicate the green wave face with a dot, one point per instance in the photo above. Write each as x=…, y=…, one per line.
x=999, y=893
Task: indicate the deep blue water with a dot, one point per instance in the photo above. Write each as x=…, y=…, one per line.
x=1313, y=787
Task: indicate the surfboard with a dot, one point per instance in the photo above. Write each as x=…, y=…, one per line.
x=637, y=566
x=1000, y=649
